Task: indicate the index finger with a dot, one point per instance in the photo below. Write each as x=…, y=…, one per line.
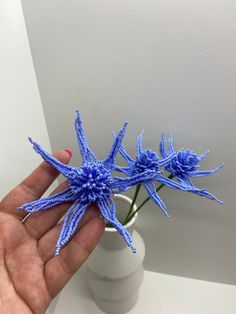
x=33, y=186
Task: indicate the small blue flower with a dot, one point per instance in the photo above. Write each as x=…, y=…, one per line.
x=91, y=183
x=148, y=163
x=184, y=165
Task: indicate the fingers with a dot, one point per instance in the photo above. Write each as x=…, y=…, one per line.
x=60, y=269
x=33, y=186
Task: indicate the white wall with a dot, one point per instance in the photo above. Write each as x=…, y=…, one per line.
x=161, y=65
x=21, y=113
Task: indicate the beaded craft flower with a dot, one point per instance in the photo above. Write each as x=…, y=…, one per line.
x=148, y=163
x=184, y=164
x=91, y=183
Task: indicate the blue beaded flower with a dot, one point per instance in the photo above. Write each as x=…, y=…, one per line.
x=184, y=165
x=148, y=163
x=91, y=183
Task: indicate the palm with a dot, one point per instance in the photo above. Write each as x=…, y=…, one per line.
x=24, y=266
x=30, y=274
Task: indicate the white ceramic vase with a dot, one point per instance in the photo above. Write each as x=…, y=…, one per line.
x=114, y=273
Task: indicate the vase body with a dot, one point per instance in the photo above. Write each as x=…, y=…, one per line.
x=114, y=273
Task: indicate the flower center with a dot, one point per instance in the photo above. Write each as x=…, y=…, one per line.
x=91, y=182
x=183, y=162
x=148, y=160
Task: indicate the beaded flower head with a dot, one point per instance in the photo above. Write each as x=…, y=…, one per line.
x=91, y=183
x=184, y=164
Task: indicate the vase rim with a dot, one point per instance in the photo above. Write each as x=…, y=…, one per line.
x=132, y=221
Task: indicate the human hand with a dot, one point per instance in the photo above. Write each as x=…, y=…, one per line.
x=30, y=275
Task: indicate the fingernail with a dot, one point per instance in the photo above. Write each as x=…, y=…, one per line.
x=69, y=151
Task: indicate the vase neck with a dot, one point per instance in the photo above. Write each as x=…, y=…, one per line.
x=112, y=240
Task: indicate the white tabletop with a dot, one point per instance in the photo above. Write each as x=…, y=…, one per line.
x=159, y=293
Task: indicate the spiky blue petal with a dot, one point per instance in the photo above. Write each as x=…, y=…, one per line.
x=139, y=144
x=190, y=187
x=206, y=194
x=185, y=180
x=170, y=183
x=105, y=210
x=170, y=144
x=202, y=173
x=62, y=168
x=125, y=170
x=70, y=223
x=111, y=206
x=166, y=160
x=86, y=153
x=109, y=162
x=122, y=184
x=48, y=202
x=149, y=186
x=162, y=147
x=202, y=156
x=123, y=153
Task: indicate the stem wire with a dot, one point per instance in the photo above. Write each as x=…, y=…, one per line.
x=133, y=202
